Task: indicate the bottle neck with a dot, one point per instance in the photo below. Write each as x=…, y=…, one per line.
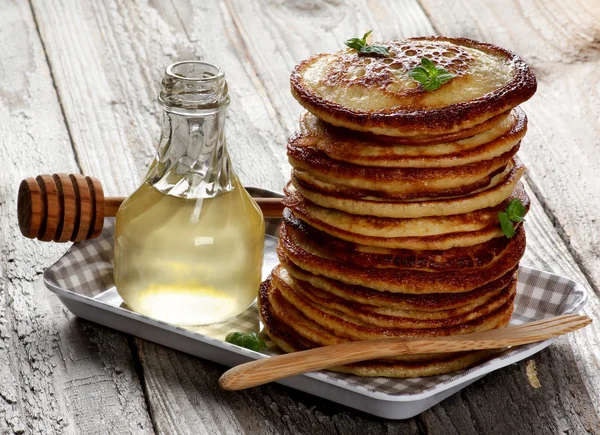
x=192, y=159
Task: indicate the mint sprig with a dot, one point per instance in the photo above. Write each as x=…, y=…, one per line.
x=514, y=213
x=430, y=75
x=364, y=49
x=249, y=340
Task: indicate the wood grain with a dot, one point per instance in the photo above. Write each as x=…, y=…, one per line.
x=52, y=207
x=66, y=192
x=107, y=59
x=57, y=375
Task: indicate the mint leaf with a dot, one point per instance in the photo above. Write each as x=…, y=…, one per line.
x=354, y=43
x=432, y=84
x=358, y=43
x=506, y=224
x=419, y=74
x=249, y=340
x=516, y=210
x=428, y=65
x=362, y=48
x=429, y=75
x=374, y=50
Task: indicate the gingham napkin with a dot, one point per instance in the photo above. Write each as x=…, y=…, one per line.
x=86, y=269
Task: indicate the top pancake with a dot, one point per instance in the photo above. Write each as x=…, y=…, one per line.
x=376, y=94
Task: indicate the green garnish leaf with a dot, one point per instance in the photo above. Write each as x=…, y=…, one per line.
x=429, y=75
x=514, y=213
x=362, y=48
x=358, y=43
x=375, y=50
x=508, y=227
x=516, y=210
x=249, y=340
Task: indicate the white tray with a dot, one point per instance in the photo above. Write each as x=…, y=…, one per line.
x=82, y=279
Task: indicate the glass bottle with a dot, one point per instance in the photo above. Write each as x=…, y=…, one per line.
x=189, y=240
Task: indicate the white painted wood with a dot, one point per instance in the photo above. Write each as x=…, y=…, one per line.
x=57, y=374
x=108, y=59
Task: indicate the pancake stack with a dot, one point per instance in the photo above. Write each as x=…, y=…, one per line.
x=391, y=227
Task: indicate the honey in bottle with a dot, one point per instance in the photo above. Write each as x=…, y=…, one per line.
x=189, y=240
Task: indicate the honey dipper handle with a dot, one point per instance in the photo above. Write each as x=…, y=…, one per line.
x=112, y=204
x=72, y=207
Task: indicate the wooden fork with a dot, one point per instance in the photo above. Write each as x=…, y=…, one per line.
x=271, y=369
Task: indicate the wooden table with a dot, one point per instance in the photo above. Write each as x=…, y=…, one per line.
x=78, y=87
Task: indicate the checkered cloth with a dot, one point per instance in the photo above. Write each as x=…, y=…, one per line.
x=86, y=269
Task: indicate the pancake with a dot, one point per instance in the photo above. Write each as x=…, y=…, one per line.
x=382, y=232
x=326, y=329
x=428, y=305
x=478, y=255
x=499, y=189
x=288, y=340
x=369, y=150
x=434, y=365
x=313, y=302
x=439, y=242
x=312, y=166
x=315, y=128
x=307, y=255
x=396, y=191
x=376, y=94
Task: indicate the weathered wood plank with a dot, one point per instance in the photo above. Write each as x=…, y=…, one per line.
x=258, y=44
x=108, y=59
x=561, y=41
x=53, y=368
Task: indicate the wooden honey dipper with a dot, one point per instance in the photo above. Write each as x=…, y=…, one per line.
x=72, y=207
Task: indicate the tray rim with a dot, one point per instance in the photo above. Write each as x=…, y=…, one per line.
x=356, y=389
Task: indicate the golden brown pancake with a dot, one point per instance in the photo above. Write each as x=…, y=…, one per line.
x=311, y=125
x=439, y=242
x=325, y=328
x=313, y=302
x=498, y=190
x=384, y=232
x=309, y=256
x=399, y=190
x=370, y=150
x=377, y=95
x=361, y=255
x=288, y=340
x=312, y=166
x=436, y=364
x=427, y=305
